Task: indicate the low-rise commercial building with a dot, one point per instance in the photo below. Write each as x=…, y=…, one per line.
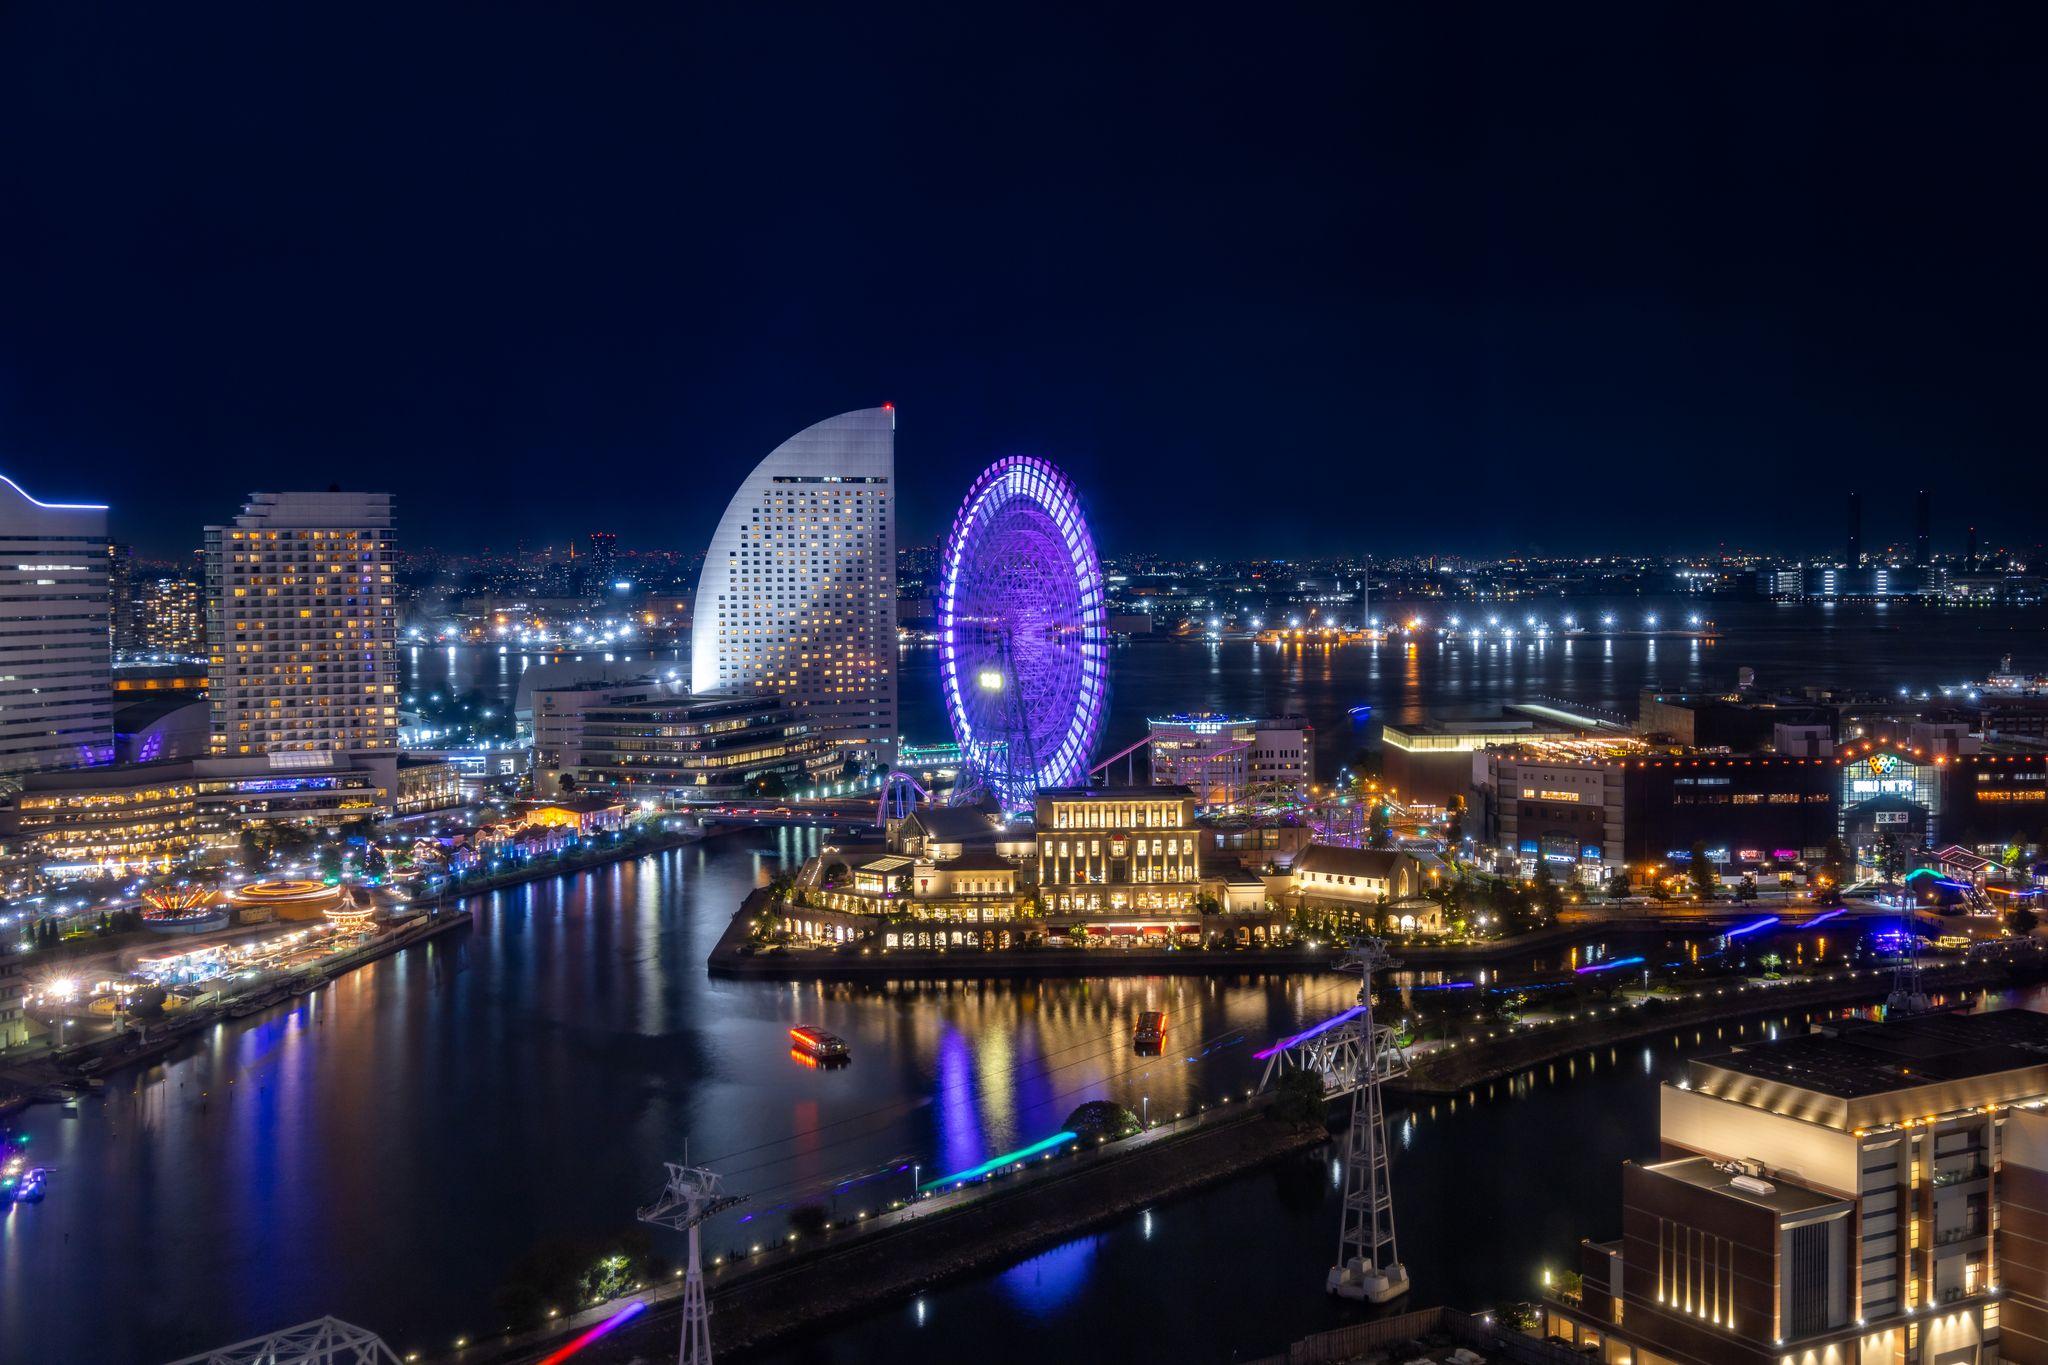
x=1867, y=1194
x=1229, y=760
x=1122, y=865
x=695, y=749
x=1380, y=888
x=123, y=819
x=1433, y=762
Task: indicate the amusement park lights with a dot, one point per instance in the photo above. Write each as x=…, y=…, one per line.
x=1023, y=632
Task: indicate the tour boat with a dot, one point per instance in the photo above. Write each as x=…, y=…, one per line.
x=1150, y=1035
x=815, y=1042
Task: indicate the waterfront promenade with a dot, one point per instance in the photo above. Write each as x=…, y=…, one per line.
x=896, y=1254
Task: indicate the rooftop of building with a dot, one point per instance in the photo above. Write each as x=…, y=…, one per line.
x=1140, y=792
x=954, y=824
x=147, y=709
x=1331, y=860
x=976, y=860
x=1853, y=1060
x=1772, y=1192
x=586, y=804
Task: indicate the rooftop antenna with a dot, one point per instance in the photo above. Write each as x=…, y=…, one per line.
x=693, y=1194
x=1368, y=1261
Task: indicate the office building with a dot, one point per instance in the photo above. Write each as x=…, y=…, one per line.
x=558, y=715
x=695, y=749
x=170, y=617
x=301, y=625
x=56, y=703
x=1865, y=1194
x=797, y=598
x=1232, y=760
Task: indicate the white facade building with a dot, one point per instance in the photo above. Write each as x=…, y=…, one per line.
x=56, y=669
x=798, y=594
x=302, y=627
x=1230, y=759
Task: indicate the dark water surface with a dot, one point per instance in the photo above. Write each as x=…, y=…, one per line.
x=1865, y=646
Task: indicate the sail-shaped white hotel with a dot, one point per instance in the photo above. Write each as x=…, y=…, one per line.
x=798, y=594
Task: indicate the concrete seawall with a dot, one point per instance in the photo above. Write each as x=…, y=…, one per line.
x=1490, y=1059
x=859, y=1270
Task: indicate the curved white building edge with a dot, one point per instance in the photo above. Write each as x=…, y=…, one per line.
x=798, y=594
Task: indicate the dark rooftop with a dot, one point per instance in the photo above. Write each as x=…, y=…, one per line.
x=1141, y=792
x=977, y=860
x=954, y=824
x=1783, y=1197
x=1858, y=1059
x=131, y=717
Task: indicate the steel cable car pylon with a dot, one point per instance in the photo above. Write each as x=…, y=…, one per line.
x=1368, y=1260
x=691, y=1196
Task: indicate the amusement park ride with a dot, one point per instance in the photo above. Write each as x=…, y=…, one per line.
x=1023, y=634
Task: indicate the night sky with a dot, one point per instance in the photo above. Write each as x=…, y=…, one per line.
x=1266, y=279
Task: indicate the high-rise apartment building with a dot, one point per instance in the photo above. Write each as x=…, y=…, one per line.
x=302, y=625
x=171, y=617
x=124, y=622
x=798, y=594
x=56, y=680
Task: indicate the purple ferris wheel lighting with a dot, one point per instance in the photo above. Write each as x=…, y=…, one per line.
x=1023, y=632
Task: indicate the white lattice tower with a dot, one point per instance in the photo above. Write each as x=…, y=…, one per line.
x=1368, y=1258
x=692, y=1195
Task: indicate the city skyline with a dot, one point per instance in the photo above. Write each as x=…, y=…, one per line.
x=807, y=683
x=1802, y=260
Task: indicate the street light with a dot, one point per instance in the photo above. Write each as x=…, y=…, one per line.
x=1145, y=1111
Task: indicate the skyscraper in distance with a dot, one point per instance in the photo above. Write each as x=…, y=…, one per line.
x=56, y=675
x=302, y=626
x=797, y=597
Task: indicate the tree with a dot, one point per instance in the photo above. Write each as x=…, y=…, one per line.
x=1376, y=826
x=2022, y=920
x=1549, y=895
x=1833, y=871
x=1454, y=826
x=1704, y=878
x=1298, y=1098
x=1891, y=857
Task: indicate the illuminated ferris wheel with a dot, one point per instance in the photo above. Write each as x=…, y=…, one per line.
x=1024, y=639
